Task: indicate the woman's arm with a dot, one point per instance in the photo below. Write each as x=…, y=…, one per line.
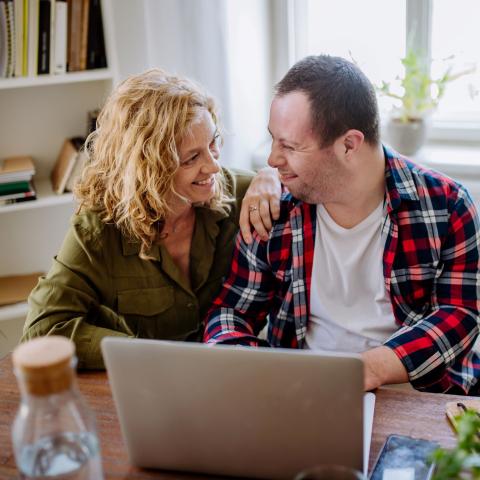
x=67, y=301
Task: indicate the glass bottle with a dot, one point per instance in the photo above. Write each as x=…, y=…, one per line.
x=54, y=434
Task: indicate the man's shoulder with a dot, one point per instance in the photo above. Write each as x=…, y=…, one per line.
x=433, y=177
x=418, y=181
x=289, y=206
x=292, y=210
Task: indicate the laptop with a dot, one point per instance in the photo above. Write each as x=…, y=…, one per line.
x=237, y=411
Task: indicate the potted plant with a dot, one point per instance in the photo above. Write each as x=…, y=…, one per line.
x=418, y=96
x=462, y=462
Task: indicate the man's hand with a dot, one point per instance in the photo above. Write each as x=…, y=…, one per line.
x=382, y=366
x=261, y=204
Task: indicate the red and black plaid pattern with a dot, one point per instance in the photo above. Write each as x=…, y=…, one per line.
x=431, y=266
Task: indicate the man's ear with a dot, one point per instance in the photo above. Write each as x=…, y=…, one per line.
x=352, y=141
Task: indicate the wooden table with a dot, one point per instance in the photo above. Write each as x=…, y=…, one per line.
x=420, y=415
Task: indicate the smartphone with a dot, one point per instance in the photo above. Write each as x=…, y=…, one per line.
x=404, y=458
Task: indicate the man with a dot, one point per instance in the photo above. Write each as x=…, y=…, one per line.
x=371, y=253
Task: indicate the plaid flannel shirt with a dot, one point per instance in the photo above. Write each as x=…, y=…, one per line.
x=431, y=267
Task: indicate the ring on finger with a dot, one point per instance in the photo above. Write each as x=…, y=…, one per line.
x=252, y=208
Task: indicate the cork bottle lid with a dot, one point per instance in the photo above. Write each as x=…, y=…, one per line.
x=45, y=364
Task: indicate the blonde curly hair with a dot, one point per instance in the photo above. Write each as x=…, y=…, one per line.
x=133, y=153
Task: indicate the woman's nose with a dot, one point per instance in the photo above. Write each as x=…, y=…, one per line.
x=211, y=165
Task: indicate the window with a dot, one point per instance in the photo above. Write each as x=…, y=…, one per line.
x=375, y=34
x=461, y=103
x=334, y=28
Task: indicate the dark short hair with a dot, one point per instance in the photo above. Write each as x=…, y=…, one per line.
x=341, y=97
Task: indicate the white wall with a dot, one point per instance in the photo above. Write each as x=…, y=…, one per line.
x=225, y=46
x=250, y=72
x=129, y=37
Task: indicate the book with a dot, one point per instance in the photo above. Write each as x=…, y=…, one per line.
x=74, y=40
x=14, y=187
x=12, y=201
x=3, y=39
x=18, y=15
x=16, y=169
x=60, y=43
x=454, y=409
x=17, y=288
x=84, y=34
x=32, y=37
x=15, y=196
x=65, y=163
x=44, y=21
x=96, y=55
x=15, y=177
x=92, y=116
x=25, y=39
x=77, y=170
x=51, y=45
x=10, y=38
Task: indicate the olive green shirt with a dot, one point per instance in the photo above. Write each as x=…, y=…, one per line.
x=98, y=285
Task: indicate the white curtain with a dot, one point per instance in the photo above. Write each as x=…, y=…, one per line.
x=225, y=46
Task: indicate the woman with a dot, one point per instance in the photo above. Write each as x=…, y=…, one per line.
x=153, y=237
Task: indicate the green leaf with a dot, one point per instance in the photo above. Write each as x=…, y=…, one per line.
x=465, y=457
x=417, y=100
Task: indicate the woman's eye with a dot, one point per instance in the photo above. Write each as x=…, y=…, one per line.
x=214, y=141
x=190, y=161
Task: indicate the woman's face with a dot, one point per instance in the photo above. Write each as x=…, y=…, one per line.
x=199, y=152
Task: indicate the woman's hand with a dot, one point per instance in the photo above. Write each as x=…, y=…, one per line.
x=261, y=204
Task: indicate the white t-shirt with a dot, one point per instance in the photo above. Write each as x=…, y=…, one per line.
x=350, y=309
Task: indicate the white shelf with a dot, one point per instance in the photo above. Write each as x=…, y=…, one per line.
x=45, y=198
x=16, y=310
x=455, y=159
x=40, y=80
x=36, y=114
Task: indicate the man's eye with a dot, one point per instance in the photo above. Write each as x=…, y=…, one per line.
x=287, y=147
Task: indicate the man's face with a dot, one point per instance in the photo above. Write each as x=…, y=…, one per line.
x=311, y=173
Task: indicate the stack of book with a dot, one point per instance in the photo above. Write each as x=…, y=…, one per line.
x=50, y=37
x=16, y=180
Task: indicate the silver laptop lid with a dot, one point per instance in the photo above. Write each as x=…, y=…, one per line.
x=253, y=412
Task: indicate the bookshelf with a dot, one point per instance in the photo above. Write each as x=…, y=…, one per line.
x=36, y=115
x=17, y=310
x=73, y=77
x=45, y=198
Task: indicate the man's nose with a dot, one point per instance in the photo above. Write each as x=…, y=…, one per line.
x=275, y=158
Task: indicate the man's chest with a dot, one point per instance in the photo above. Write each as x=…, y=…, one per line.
x=409, y=264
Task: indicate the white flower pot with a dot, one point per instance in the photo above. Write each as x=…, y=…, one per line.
x=406, y=137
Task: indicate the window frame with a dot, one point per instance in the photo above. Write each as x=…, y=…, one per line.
x=290, y=47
